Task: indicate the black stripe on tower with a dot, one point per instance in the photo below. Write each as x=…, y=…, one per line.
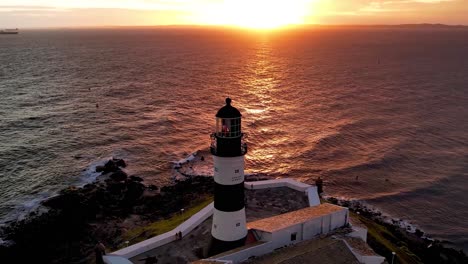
x=217, y=246
x=229, y=198
x=228, y=147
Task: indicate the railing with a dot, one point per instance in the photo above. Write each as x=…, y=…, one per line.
x=244, y=148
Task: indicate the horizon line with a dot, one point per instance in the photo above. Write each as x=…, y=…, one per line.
x=291, y=26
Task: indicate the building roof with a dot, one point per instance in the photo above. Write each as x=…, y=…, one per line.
x=323, y=251
x=282, y=221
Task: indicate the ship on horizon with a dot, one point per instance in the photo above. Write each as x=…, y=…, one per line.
x=9, y=31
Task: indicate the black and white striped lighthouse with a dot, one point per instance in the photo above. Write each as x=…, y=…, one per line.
x=229, y=228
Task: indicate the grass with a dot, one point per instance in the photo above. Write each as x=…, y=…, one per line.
x=159, y=227
x=386, y=240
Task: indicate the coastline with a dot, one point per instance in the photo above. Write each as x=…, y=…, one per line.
x=65, y=228
x=115, y=203
x=387, y=235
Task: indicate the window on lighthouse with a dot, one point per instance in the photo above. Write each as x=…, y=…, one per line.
x=228, y=127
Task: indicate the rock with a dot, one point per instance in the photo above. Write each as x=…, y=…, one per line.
x=118, y=175
x=110, y=166
x=67, y=197
x=90, y=186
x=134, y=190
x=153, y=187
x=419, y=233
x=136, y=178
x=120, y=163
x=115, y=187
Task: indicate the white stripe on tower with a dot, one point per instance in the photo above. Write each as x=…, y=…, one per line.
x=229, y=226
x=229, y=222
x=228, y=171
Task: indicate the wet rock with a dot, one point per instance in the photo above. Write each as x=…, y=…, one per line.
x=118, y=175
x=110, y=166
x=90, y=186
x=67, y=197
x=120, y=163
x=419, y=233
x=134, y=190
x=100, y=168
x=136, y=178
x=115, y=187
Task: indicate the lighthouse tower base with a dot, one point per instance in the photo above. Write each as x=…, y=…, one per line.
x=229, y=230
x=218, y=246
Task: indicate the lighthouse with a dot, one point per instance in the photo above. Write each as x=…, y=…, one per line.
x=229, y=228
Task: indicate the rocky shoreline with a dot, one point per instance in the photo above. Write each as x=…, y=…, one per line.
x=68, y=226
x=413, y=246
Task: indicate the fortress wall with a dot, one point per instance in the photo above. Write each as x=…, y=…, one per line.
x=167, y=237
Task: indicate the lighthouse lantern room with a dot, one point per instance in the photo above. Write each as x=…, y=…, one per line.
x=229, y=224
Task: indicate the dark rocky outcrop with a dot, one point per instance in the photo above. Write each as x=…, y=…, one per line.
x=77, y=218
x=136, y=178
x=118, y=175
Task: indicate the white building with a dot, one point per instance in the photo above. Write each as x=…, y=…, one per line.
x=296, y=226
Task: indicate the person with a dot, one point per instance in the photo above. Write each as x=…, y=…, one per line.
x=180, y=235
x=319, y=184
x=100, y=251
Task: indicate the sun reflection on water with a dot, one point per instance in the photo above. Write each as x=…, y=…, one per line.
x=262, y=84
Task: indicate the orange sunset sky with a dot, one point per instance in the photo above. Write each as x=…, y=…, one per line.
x=243, y=13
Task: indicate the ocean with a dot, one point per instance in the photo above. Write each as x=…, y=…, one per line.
x=381, y=114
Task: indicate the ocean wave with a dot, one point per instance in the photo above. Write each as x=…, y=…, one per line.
x=311, y=109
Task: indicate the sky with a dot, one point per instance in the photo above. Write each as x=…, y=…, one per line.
x=244, y=13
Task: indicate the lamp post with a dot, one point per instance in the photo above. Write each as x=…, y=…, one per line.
x=182, y=213
x=393, y=256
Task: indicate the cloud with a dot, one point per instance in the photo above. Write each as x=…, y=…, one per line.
x=90, y=17
x=117, y=4
x=11, y=8
x=46, y=13
x=383, y=6
x=391, y=12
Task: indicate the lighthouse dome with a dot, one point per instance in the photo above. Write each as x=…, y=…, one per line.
x=228, y=111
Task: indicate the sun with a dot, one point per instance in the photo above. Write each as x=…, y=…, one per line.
x=258, y=14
